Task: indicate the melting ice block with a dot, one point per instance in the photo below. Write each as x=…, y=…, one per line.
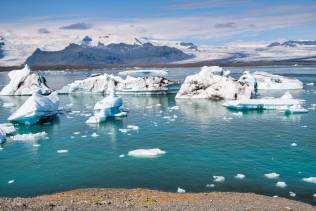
x=23, y=82
x=5, y=130
x=146, y=153
x=206, y=84
x=36, y=108
x=268, y=81
x=110, y=106
x=284, y=103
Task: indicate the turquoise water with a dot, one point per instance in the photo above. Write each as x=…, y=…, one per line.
x=204, y=140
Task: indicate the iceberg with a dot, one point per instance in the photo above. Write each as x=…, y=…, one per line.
x=219, y=178
x=144, y=73
x=206, y=84
x=310, y=179
x=23, y=82
x=36, y=108
x=250, y=80
x=110, y=106
x=146, y=153
x=281, y=184
x=129, y=85
x=284, y=103
x=268, y=81
x=5, y=130
x=29, y=136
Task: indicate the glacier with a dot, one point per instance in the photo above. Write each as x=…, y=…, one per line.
x=110, y=106
x=23, y=82
x=206, y=84
x=285, y=103
x=36, y=108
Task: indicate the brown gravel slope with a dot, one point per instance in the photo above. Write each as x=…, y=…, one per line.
x=140, y=199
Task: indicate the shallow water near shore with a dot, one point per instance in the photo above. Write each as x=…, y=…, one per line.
x=202, y=139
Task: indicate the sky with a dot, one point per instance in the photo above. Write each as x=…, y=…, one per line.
x=200, y=21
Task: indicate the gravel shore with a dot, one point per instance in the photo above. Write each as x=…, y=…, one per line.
x=141, y=199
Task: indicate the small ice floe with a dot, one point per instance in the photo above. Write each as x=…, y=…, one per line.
x=281, y=184
x=314, y=195
x=11, y=181
x=69, y=105
x=94, y=135
x=60, y=151
x=29, y=136
x=304, y=126
x=122, y=156
x=133, y=127
x=174, y=108
x=83, y=136
x=8, y=105
x=76, y=133
x=310, y=84
x=146, y=153
x=310, y=179
x=275, y=196
x=219, y=178
x=180, y=190
x=123, y=130
x=210, y=185
x=158, y=105
x=240, y=176
x=294, y=144
x=292, y=194
x=36, y=145
x=5, y=130
x=272, y=175
x=239, y=113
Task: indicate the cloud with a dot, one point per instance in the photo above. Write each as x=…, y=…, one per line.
x=43, y=31
x=77, y=26
x=225, y=25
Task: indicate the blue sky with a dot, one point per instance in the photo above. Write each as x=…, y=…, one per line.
x=200, y=21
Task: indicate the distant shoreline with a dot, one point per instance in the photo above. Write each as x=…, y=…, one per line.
x=143, y=199
x=170, y=65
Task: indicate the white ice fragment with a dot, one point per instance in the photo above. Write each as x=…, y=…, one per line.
x=28, y=136
x=11, y=181
x=83, y=136
x=240, y=176
x=292, y=194
x=133, y=127
x=219, y=178
x=146, y=153
x=210, y=185
x=180, y=190
x=8, y=105
x=304, y=126
x=281, y=184
x=237, y=113
x=94, y=135
x=294, y=144
x=60, y=151
x=174, y=108
x=310, y=179
x=36, y=145
x=314, y=195
x=310, y=84
x=123, y=130
x=122, y=155
x=76, y=133
x=272, y=175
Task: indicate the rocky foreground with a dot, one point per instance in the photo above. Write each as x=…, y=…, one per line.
x=140, y=199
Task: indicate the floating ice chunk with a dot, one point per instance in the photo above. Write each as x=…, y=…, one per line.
x=60, y=151
x=8, y=105
x=292, y=194
x=28, y=136
x=144, y=73
x=219, y=178
x=239, y=113
x=310, y=179
x=275, y=196
x=272, y=175
x=22, y=82
x=133, y=127
x=310, y=84
x=5, y=130
x=240, y=176
x=180, y=190
x=108, y=107
x=294, y=144
x=210, y=185
x=304, y=126
x=146, y=153
x=314, y=195
x=268, y=81
x=76, y=133
x=174, y=108
x=123, y=130
x=36, y=108
x=11, y=181
x=94, y=135
x=36, y=145
x=122, y=155
x=206, y=84
x=83, y=136
x=281, y=184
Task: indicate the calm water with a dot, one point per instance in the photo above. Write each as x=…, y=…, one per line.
x=205, y=140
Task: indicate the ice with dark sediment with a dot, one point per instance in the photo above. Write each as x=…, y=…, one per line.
x=36, y=108
x=23, y=82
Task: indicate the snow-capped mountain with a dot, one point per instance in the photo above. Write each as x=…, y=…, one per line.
x=15, y=49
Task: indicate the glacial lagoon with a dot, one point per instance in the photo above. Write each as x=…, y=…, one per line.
x=201, y=138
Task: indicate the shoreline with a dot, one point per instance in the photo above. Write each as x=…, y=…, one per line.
x=171, y=65
x=144, y=199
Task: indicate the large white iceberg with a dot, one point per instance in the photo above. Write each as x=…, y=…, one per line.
x=5, y=130
x=284, y=103
x=110, y=106
x=129, y=85
x=23, y=82
x=266, y=81
x=36, y=108
x=206, y=84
